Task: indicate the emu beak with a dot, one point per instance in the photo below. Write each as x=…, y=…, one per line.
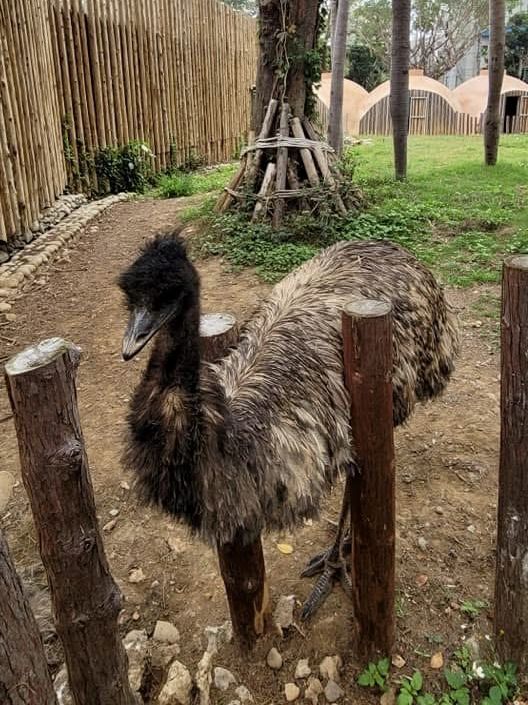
x=141, y=327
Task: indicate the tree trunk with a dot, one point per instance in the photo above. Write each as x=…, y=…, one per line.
x=335, y=126
x=399, y=98
x=497, y=11
x=24, y=675
x=86, y=600
x=282, y=75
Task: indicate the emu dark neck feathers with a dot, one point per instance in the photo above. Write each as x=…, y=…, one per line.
x=166, y=421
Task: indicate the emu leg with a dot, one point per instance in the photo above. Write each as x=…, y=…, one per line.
x=332, y=563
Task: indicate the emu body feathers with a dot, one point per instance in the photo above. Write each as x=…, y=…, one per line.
x=255, y=441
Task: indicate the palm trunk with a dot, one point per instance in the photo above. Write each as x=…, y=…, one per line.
x=335, y=127
x=399, y=98
x=497, y=12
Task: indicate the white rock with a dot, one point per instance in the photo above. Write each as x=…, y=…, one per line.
x=314, y=690
x=110, y=525
x=10, y=317
x=243, y=694
x=114, y=512
x=291, y=691
x=223, y=678
x=218, y=636
x=162, y=655
x=422, y=544
x=302, y=670
x=329, y=667
x=178, y=687
x=124, y=485
x=4, y=307
x=398, y=661
x=136, y=576
x=333, y=692
x=234, y=702
x=283, y=614
x=7, y=482
x=135, y=643
x=166, y=633
x=204, y=677
x=274, y=659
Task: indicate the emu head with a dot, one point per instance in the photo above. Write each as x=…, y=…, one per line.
x=160, y=286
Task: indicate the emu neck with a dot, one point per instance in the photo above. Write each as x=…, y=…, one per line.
x=175, y=360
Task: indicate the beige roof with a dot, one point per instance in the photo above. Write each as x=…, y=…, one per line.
x=353, y=97
x=473, y=94
x=417, y=82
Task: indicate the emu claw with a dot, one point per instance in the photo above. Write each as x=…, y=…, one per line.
x=323, y=587
x=315, y=565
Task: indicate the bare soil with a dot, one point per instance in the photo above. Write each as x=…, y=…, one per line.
x=446, y=486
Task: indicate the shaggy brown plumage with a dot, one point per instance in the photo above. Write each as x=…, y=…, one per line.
x=255, y=441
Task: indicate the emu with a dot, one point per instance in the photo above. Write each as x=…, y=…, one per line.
x=256, y=440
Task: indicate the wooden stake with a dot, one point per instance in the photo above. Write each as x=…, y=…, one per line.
x=242, y=561
x=24, y=675
x=367, y=349
x=322, y=163
x=282, y=166
x=264, y=132
x=511, y=593
x=54, y=466
x=265, y=190
x=306, y=155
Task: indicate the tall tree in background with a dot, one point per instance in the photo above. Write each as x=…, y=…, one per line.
x=516, y=56
x=288, y=31
x=399, y=97
x=497, y=10
x=335, y=126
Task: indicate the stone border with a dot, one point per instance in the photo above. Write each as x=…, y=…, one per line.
x=24, y=265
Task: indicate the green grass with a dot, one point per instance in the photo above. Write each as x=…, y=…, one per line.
x=458, y=216
x=182, y=183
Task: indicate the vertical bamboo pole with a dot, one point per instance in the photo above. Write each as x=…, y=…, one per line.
x=96, y=70
x=511, y=581
x=367, y=350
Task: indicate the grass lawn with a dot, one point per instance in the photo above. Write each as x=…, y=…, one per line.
x=457, y=215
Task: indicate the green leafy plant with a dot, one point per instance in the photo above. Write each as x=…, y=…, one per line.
x=410, y=689
x=125, y=168
x=375, y=675
x=473, y=607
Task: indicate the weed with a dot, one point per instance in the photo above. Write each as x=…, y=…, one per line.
x=473, y=607
x=185, y=183
x=375, y=675
x=126, y=168
x=410, y=689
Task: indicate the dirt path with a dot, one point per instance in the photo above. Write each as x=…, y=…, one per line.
x=446, y=460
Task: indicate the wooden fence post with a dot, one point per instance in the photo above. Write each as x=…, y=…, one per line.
x=511, y=581
x=241, y=562
x=367, y=349
x=86, y=600
x=24, y=675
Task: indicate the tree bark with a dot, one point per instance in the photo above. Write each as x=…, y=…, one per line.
x=86, y=600
x=275, y=79
x=511, y=582
x=492, y=126
x=24, y=675
x=399, y=98
x=335, y=126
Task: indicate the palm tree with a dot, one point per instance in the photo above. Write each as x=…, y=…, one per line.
x=339, y=37
x=399, y=98
x=497, y=13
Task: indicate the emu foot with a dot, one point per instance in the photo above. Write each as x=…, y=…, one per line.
x=333, y=566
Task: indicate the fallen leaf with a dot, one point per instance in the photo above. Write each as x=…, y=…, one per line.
x=437, y=660
x=398, y=661
x=422, y=580
x=285, y=548
x=388, y=698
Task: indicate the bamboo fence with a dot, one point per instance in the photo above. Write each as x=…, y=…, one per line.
x=78, y=76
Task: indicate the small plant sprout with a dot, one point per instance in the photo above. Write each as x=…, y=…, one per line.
x=375, y=675
x=410, y=689
x=473, y=607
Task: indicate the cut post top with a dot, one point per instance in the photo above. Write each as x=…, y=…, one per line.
x=367, y=308
x=39, y=355
x=213, y=324
x=517, y=261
